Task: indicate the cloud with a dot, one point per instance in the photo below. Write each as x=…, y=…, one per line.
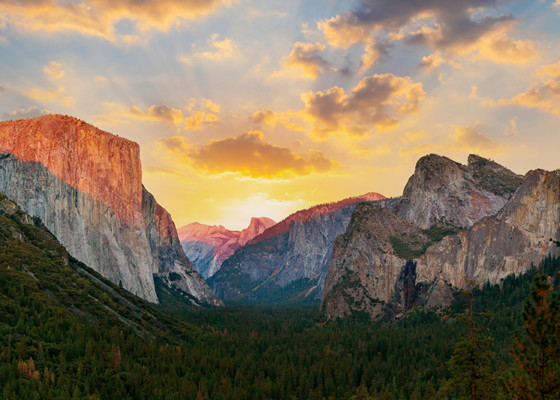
x=372, y=53
x=263, y=117
x=212, y=107
x=307, y=57
x=24, y=113
x=54, y=71
x=218, y=50
x=189, y=117
x=472, y=139
x=454, y=22
x=434, y=60
x=498, y=47
x=451, y=27
x=464, y=139
x=100, y=17
x=511, y=128
x=57, y=95
x=248, y=155
x=544, y=95
x=377, y=100
x=288, y=119
x=197, y=120
x=158, y=113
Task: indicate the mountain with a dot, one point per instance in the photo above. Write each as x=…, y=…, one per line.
x=39, y=277
x=86, y=187
x=207, y=246
x=367, y=261
x=442, y=190
x=522, y=234
x=476, y=222
x=287, y=263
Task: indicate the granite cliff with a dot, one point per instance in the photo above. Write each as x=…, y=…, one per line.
x=368, y=261
x=442, y=190
x=477, y=222
x=86, y=187
x=524, y=232
x=287, y=263
x=207, y=246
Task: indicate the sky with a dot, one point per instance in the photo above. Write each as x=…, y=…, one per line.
x=261, y=108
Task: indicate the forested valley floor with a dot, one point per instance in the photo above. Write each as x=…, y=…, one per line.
x=67, y=333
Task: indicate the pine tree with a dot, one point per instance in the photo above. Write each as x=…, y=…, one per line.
x=471, y=363
x=537, y=353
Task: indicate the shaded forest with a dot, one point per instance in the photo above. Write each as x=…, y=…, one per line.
x=67, y=333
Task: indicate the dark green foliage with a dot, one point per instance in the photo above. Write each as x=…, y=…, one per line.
x=537, y=352
x=66, y=333
x=174, y=277
x=269, y=293
x=410, y=246
x=440, y=230
x=496, y=180
x=471, y=364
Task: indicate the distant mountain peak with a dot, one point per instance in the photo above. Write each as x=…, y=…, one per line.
x=305, y=215
x=207, y=246
x=443, y=190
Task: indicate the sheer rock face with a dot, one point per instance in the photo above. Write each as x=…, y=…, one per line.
x=442, y=190
x=94, y=162
x=207, y=246
x=366, y=272
x=525, y=231
x=289, y=262
x=85, y=185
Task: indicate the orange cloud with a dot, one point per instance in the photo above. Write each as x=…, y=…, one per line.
x=157, y=113
x=471, y=138
x=54, y=71
x=500, y=48
x=434, y=60
x=162, y=113
x=248, y=155
x=99, y=17
x=372, y=53
x=307, y=58
x=544, y=95
x=58, y=95
x=378, y=100
x=288, y=119
x=218, y=50
x=344, y=31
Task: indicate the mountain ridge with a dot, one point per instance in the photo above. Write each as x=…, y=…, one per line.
x=288, y=263
x=207, y=246
x=487, y=247
x=54, y=168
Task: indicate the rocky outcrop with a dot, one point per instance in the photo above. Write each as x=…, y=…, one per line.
x=377, y=270
x=369, y=271
x=442, y=190
x=171, y=264
x=86, y=187
x=108, y=169
x=523, y=233
x=288, y=263
x=207, y=246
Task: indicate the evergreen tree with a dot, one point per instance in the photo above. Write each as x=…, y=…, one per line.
x=537, y=353
x=470, y=365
